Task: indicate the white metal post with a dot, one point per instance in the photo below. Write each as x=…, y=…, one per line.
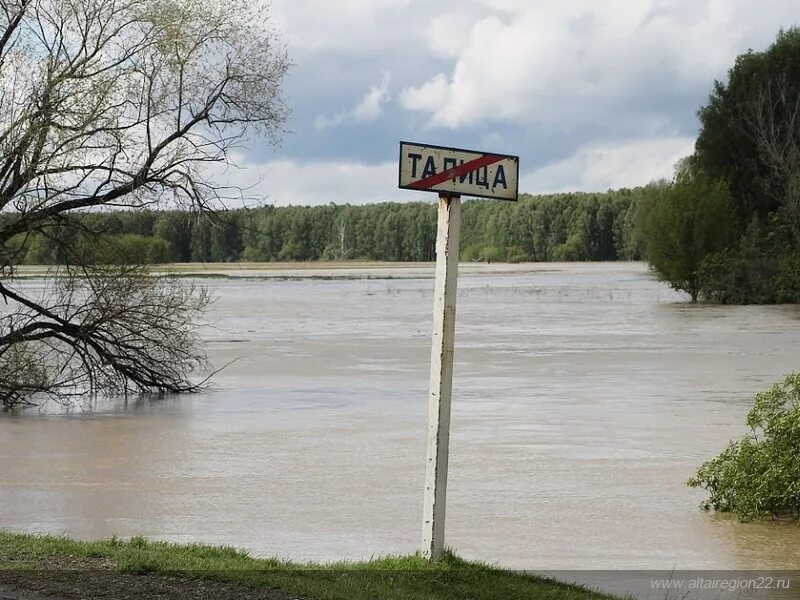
x=441, y=382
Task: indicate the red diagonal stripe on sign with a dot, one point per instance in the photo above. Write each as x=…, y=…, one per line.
x=460, y=170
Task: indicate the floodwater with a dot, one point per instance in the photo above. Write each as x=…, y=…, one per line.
x=584, y=396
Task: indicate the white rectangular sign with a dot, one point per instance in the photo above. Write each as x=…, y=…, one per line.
x=455, y=171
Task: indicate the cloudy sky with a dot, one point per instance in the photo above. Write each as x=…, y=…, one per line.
x=591, y=94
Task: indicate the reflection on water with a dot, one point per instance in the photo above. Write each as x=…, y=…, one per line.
x=584, y=396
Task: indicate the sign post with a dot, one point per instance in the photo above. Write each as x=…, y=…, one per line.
x=451, y=172
x=441, y=381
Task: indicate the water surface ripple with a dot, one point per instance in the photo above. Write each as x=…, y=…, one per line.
x=584, y=396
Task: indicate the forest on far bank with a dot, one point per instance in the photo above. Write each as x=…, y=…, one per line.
x=563, y=227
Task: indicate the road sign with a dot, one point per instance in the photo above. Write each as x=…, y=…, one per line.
x=451, y=172
x=455, y=171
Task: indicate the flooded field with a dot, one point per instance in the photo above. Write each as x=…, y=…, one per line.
x=584, y=396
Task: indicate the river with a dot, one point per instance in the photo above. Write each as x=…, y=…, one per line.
x=584, y=397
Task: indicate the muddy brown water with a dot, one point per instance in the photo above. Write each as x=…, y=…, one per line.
x=584, y=396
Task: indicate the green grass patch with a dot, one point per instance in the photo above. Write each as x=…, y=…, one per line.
x=390, y=578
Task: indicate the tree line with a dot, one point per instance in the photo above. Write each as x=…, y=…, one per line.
x=563, y=227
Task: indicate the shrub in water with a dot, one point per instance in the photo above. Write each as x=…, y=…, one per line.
x=759, y=475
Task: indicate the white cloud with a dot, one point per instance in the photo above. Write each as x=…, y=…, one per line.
x=368, y=109
x=609, y=165
x=439, y=33
x=285, y=182
x=430, y=96
x=616, y=83
x=345, y=25
x=322, y=182
x=597, y=167
x=578, y=61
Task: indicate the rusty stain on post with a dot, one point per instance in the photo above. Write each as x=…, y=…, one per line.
x=441, y=376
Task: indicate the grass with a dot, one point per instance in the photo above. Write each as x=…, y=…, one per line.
x=390, y=578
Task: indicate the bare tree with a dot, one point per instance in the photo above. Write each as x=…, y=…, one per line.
x=772, y=119
x=126, y=104
x=97, y=329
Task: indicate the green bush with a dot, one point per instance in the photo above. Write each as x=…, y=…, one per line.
x=763, y=268
x=759, y=475
x=730, y=277
x=158, y=251
x=572, y=250
x=515, y=254
x=134, y=249
x=788, y=280
x=492, y=254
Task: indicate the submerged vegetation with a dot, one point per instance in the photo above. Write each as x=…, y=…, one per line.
x=759, y=475
x=145, y=569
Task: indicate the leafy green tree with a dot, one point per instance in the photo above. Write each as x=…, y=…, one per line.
x=750, y=134
x=759, y=475
x=683, y=223
x=226, y=238
x=201, y=239
x=750, y=137
x=174, y=228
